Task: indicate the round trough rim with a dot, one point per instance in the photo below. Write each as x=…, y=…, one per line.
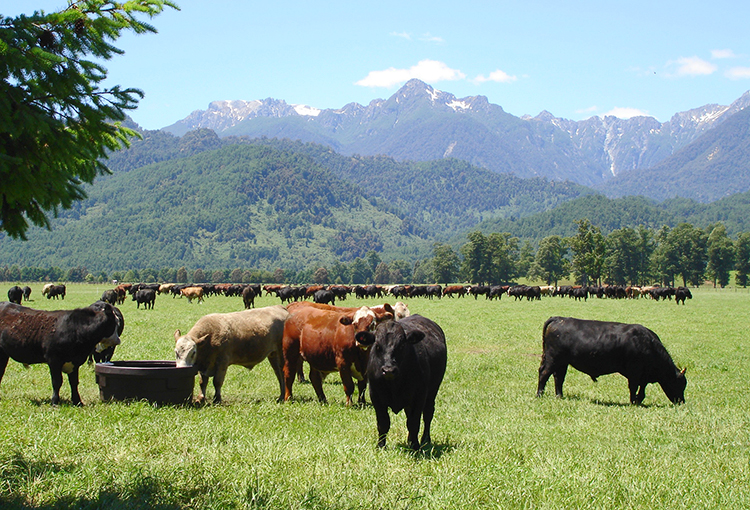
x=144, y=368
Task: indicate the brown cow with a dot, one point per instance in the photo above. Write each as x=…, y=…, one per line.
x=192, y=293
x=324, y=337
x=244, y=338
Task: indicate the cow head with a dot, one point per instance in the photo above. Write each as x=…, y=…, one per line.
x=675, y=388
x=112, y=318
x=391, y=347
x=185, y=350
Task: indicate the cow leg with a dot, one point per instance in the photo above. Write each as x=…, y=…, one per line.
x=57, y=380
x=292, y=364
x=413, y=419
x=383, y=420
x=3, y=363
x=427, y=414
x=73, y=381
x=560, y=379
x=346, y=379
x=221, y=373
x=278, y=369
x=636, y=395
x=362, y=386
x=203, y=385
x=301, y=373
x=316, y=379
x=545, y=371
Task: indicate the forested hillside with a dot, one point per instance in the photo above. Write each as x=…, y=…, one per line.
x=611, y=214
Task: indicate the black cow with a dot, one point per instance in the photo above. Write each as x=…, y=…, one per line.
x=56, y=291
x=325, y=297
x=109, y=296
x=598, y=348
x=248, y=296
x=62, y=339
x=105, y=355
x=15, y=294
x=145, y=296
x=26, y=293
x=406, y=366
x=681, y=294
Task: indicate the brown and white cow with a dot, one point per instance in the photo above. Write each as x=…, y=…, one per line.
x=323, y=335
x=242, y=338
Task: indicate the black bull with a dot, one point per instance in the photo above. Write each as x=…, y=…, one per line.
x=598, y=348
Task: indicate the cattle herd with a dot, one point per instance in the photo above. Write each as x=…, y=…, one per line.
x=401, y=357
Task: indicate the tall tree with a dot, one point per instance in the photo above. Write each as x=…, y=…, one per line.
x=550, y=263
x=57, y=122
x=588, y=249
x=720, y=252
x=445, y=263
x=502, y=252
x=622, y=254
x=475, y=265
x=690, y=246
x=742, y=258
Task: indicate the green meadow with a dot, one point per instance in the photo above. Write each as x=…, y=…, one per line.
x=495, y=445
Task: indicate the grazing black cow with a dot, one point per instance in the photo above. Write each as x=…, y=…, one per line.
x=26, y=293
x=62, y=339
x=105, y=355
x=681, y=294
x=406, y=366
x=109, y=296
x=15, y=294
x=145, y=296
x=55, y=291
x=598, y=348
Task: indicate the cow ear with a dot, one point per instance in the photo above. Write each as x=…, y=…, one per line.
x=388, y=308
x=365, y=338
x=346, y=320
x=415, y=337
x=177, y=335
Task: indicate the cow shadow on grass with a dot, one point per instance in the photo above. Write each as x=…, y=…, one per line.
x=19, y=473
x=431, y=451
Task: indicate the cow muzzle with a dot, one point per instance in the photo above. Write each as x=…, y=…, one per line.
x=389, y=372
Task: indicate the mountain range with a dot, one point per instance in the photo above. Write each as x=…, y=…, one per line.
x=420, y=123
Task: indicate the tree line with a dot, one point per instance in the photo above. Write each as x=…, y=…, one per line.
x=627, y=256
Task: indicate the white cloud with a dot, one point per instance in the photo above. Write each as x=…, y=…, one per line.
x=691, y=66
x=429, y=71
x=496, y=76
x=625, y=113
x=403, y=35
x=722, y=54
x=431, y=38
x=738, y=73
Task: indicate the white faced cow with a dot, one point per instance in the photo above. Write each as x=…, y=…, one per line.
x=239, y=338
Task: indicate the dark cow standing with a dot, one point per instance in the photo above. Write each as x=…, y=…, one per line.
x=324, y=296
x=109, y=296
x=15, y=294
x=145, y=296
x=62, y=339
x=598, y=348
x=681, y=294
x=26, y=293
x=406, y=366
x=248, y=296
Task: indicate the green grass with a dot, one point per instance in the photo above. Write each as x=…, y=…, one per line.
x=495, y=444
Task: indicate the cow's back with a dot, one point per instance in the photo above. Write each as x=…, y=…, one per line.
x=431, y=348
x=244, y=337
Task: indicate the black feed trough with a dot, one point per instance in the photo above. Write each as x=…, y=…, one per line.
x=159, y=382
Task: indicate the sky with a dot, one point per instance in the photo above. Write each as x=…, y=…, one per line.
x=575, y=59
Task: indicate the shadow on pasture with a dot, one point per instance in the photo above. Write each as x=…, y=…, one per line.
x=431, y=451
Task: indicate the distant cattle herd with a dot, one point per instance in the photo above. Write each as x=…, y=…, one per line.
x=401, y=356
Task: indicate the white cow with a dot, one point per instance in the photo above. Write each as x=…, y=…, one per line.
x=239, y=338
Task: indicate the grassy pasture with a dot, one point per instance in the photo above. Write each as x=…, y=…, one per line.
x=495, y=444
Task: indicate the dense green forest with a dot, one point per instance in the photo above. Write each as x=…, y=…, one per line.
x=202, y=202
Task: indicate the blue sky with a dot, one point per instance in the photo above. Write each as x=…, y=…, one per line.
x=574, y=59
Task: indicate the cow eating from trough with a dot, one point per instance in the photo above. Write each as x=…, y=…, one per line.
x=242, y=338
x=597, y=348
x=406, y=366
x=62, y=339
